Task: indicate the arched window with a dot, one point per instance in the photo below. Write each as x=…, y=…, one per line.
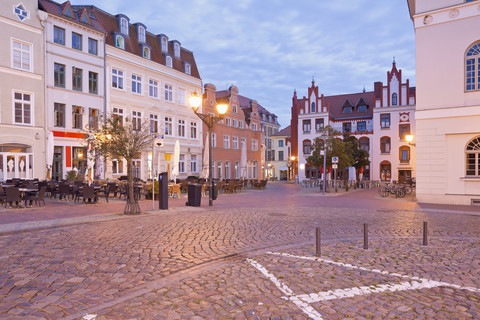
x=385, y=145
x=394, y=99
x=385, y=171
x=473, y=158
x=176, y=50
x=120, y=42
x=164, y=44
x=124, y=26
x=306, y=146
x=313, y=107
x=404, y=154
x=146, y=52
x=472, y=67
x=141, y=34
x=169, y=62
x=364, y=144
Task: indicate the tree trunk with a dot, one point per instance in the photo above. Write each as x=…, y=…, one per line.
x=132, y=206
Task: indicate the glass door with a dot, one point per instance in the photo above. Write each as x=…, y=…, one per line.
x=16, y=166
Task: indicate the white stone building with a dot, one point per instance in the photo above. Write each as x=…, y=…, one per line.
x=448, y=100
x=281, y=154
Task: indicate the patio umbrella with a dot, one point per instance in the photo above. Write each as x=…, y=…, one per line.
x=99, y=167
x=90, y=162
x=176, y=161
x=243, y=161
x=206, y=167
x=352, y=174
x=50, y=151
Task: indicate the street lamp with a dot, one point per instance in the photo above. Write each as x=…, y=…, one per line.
x=409, y=138
x=292, y=158
x=209, y=120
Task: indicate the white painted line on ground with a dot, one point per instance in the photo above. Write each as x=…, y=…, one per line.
x=349, y=266
x=364, y=290
x=89, y=317
x=305, y=307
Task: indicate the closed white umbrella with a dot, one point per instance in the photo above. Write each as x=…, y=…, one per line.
x=243, y=161
x=99, y=167
x=176, y=161
x=206, y=167
x=50, y=151
x=90, y=162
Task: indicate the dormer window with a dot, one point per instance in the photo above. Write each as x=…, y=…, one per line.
x=176, y=49
x=169, y=61
x=146, y=52
x=362, y=108
x=347, y=107
x=188, y=68
x=164, y=43
x=141, y=34
x=120, y=42
x=124, y=26
x=362, y=105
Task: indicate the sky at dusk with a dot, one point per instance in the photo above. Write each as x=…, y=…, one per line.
x=269, y=48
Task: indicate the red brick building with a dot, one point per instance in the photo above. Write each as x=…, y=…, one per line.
x=241, y=124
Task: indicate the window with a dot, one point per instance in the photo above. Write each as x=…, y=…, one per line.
x=313, y=107
x=306, y=126
x=306, y=146
x=76, y=41
x=240, y=124
x=472, y=68
x=182, y=97
x=394, y=99
x=137, y=120
x=21, y=56
x=23, y=108
x=362, y=108
x=385, y=145
x=117, y=166
x=176, y=49
x=228, y=122
x=254, y=145
x=137, y=166
x=164, y=44
x=181, y=164
x=226, y=142
x=59, y=75
x=136, y=84
x=404, y=130
x=169, y=62
x=193, y=163
x=117, y=79
x=234, y=109
x=92, y=46
x=280, y=155
x=124, y=26
x=361, y=126
x=77, y=79
x=347, y=127
x=234, y=142
x=364, y=144
x=153, y=123
x=219, y=170
x=79, y=158
x=234, y=123
x=59, y=115
x=473, y=158
x=77, y=117
x=254, y=127
x=255, y=170
x=347, y=109
x=58, y=35
x=181, y=128
x=319, y=125
x=404, y=154
x=118, y=115
x=120, y=42
x=92, y=82
x=214, y=140
x=385, y=120
x=193, y=130
x=237, y=170
x=168, y=126
x=153, y=88
x=280, y=143
x=385, y=171
x=93, y=118
x=168, y=93
x=227, y=170
x=188, y=68
x=141, y=34
x=146, y=52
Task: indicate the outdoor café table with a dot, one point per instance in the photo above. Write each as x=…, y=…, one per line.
x=27, y=191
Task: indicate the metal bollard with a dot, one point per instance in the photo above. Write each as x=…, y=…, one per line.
x=425, y=233
x=365, y=236
x=318, y=235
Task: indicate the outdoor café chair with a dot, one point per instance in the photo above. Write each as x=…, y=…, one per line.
x=36, y=196
x=12, y=195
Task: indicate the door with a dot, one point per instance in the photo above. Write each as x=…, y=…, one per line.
x=404, y=176
x=57, y=169
x=16, y=165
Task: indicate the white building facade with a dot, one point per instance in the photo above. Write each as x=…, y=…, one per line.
x=448, y=106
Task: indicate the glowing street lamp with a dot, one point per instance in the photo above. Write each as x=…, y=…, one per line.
x=209, y=119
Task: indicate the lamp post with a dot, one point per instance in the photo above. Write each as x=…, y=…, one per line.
x=293, y=168
x=209, y=120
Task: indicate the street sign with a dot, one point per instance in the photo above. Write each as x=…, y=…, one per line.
x=334, y=166
x=334, y=159
x=158, y=140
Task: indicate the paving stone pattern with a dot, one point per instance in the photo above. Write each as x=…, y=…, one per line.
x=129, y=268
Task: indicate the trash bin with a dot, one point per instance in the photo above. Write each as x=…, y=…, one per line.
x=194, y=194
x=215, y=190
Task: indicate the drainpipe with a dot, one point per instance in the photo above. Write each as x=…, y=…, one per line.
x=42, y=16
x=104, y=96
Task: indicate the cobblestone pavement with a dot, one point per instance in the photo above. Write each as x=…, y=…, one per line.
x=217, y=263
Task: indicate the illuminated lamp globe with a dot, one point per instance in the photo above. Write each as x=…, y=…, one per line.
x=222, y=108
x=409, y=138
x=195, y=101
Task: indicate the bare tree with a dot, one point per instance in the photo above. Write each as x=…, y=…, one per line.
x=123, y=138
